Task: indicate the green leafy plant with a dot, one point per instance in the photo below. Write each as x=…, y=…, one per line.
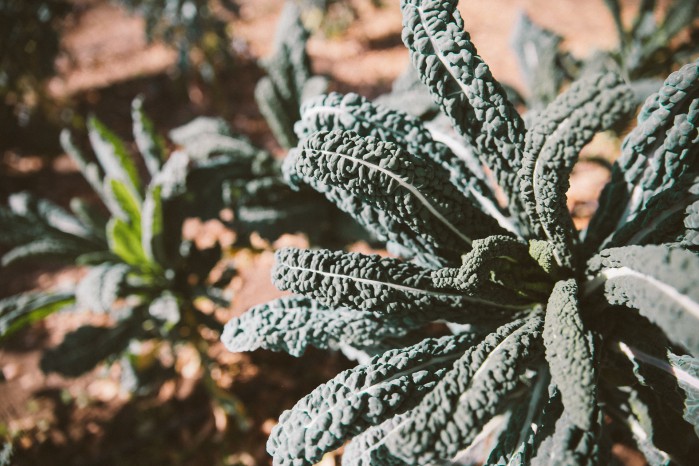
x=647, y=50
x=289, y=78
x=650, y=46
x=214, y=169
x=266, y=204
x=140, y=267
x=248, y=181
x=192, y=27
x=561, y=341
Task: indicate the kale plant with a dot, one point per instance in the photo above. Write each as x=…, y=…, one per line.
x=268, y=206
x=289, y=78
x=190, y=26
x=562, y=342
x=648, y=46
x=140, y=268
x=647, y=49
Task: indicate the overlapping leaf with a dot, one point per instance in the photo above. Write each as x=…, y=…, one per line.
x=409, y=185
x=524, y=426
x=667, y=217
x=369, y=448
x=101, y=287
x=660, y=434
x=644, y=156
x=127, y=201
x=125, y=242
x=20, y=310
x=150, y=145
x=461, y=83
x=659, y=281
x=112, y=155
x=37, y=228
x=91, y=171
x=352, y=112
x=413, y=192
x=450, y=416
x=686, y=369
x=571, y=445
x=499, y=267
x=294, y=323
x=47, y=248
x=361, y=397
x=553, y=144
x=570, y=353
x=379, y=223
x=152, y=226
x=384, y=286
x=288, y=80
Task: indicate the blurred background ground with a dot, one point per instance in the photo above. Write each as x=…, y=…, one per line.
x=106, y=61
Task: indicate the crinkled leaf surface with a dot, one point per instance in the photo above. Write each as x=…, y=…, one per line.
x=361, y=397
x=659, y=281
x=412, y=191
x=462, y=84
x=293, y=323
x=570, y=353
x=450, y=416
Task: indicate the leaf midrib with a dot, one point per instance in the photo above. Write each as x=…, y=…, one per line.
x=611, y=273
x=406, y=185
x=408, y=289
x=436, y=360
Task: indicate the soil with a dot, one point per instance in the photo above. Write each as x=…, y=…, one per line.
x=106, y=62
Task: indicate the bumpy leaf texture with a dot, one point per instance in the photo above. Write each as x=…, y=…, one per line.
x=570, y=445
x=461, y=83
x=361, y=397
x=415, y=193
x=294, y=323
x=553, y=144
x=525, y=425
x=658, y=151
x=450, y=416
x=379, y=223
x=570, y=354
x=560, y=338
x=369, y=448
x=659, y=281
x=352, y=112
x=384, y=286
